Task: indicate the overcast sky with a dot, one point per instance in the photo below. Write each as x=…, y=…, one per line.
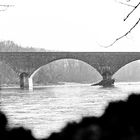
x=69, y=25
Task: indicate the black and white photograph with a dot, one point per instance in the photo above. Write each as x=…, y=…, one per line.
x=70, y=69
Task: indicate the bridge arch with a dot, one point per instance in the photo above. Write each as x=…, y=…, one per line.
x=67, y=61
x=55, y=59
x=126, y=72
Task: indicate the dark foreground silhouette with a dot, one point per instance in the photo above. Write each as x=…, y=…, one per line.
x=121, y=121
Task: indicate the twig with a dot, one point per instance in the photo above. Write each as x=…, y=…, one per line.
x=127, y=4
x=132, y=11
x=123, y=35
x=6, y=5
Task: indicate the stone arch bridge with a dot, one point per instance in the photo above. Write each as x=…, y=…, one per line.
x=26, y=63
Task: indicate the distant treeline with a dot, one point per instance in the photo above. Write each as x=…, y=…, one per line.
x=10, y=46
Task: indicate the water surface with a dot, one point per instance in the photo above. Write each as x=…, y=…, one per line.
x=48, y=109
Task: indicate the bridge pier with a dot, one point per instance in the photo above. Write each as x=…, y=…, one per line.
x=26, y=81
x=107, y=80
x=107, y=75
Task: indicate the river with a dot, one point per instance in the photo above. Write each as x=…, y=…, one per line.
x=48, y=109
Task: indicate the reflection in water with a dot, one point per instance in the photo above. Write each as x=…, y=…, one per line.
x=45, y=110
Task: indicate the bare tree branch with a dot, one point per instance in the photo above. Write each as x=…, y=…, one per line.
x=5, y=6
x=123, y=35
x=132, y=11
x=127, y=4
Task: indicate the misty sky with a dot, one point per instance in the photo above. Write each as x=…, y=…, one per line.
x=69, y=25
